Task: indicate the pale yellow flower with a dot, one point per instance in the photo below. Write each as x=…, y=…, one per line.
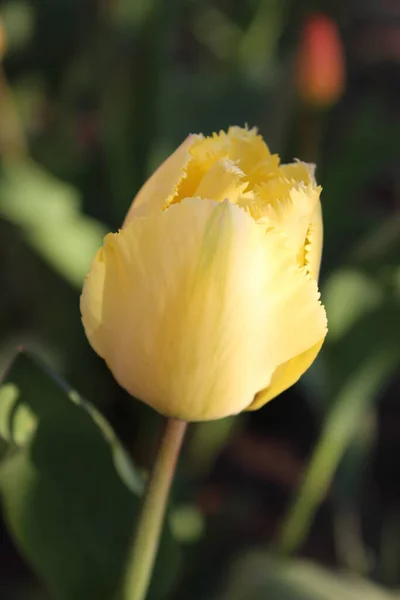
x=206, y=302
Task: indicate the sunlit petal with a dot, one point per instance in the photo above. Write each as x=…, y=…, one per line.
x=195, y=307
x=162, y=186
x=286, y=375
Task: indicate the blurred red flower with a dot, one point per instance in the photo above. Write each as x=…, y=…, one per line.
x=320, y=69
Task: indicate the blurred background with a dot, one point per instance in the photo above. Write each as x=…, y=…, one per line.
x=298, y=501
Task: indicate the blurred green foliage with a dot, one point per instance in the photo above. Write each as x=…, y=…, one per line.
x=48, y=215
x=258, y=577
x=70, y=493
x=93, y=95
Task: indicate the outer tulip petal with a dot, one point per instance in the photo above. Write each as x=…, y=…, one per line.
x=286, y=375
x=193, y=308
x=161, y=187
x=92, y=301
x=289, y=206
x=313, y=247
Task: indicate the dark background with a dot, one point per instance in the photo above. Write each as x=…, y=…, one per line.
x=93, y=95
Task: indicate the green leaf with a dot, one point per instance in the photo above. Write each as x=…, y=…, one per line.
x=48, y=213
x=360, y=356
x=349, y=294
x=258, y=576
x=70, y=493
x=341, y=425
x=18, y=19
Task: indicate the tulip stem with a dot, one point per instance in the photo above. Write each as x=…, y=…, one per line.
x=153, y=511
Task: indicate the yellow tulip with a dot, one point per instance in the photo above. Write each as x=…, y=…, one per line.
x=206, y=302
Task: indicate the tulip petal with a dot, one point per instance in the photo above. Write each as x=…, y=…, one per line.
x=162, y=186
x=193, y=308
x=91, y=303
x=313, y=246
x=252, y=155
x=288, y=206
x=239, y=146
x=243, y=146
x=224, y=180
x=286, y=375
x=299, y=171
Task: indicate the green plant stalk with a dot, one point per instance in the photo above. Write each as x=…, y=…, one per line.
x=341, y=426
x=154, y=507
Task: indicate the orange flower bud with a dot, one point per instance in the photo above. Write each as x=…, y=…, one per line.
x=3, y=40
x=320, y=62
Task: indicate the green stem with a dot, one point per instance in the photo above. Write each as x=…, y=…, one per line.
x=341, y=428
x=153, y=511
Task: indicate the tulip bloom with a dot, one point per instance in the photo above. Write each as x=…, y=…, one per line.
x=206, y=302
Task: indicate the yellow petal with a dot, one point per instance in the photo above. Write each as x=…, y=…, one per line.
x=91, y=303
x=299, y=171
x=286, y=375
x=239, y=146
x=252, y=155
x=162, y=186
x=194, y=308
x=313, y=246
x=224, y=180
x=289, y=206
x=289, y=200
